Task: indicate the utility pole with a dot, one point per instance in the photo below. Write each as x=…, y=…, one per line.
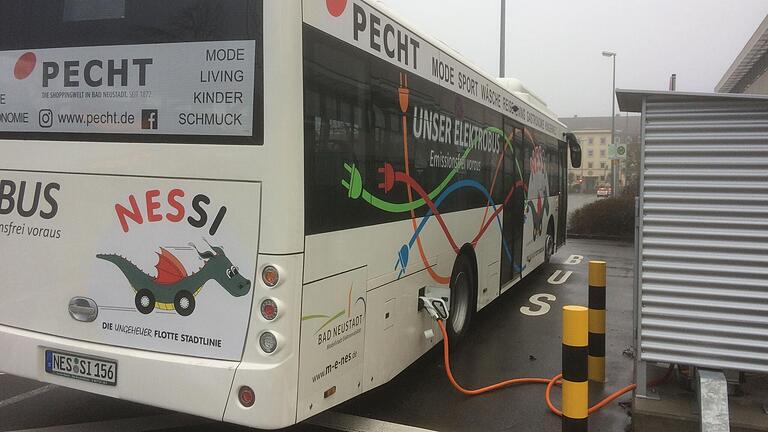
x=502, y=57
x=617, y=169
x=615, y=164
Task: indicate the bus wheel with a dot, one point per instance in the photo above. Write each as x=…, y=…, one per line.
x=145, y=301
x=549, y=246
x=184, y=303
x=462, y=299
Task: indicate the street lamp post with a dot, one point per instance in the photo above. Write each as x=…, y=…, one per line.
x=614, y=163
x=503, y=42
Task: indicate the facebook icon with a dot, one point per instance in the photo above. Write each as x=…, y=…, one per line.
x=149, y=119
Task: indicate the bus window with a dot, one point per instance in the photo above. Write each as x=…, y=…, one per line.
x=88, y=10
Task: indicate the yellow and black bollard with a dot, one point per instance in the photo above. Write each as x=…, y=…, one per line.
x=597, y=321
x=575, y=384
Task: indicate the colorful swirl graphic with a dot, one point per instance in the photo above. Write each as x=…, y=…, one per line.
x=437, y=196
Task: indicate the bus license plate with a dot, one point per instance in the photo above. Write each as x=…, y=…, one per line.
x=99, y=371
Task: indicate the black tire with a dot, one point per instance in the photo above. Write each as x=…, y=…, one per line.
x=145, y=301
x=549, y=244
x=184, y=303
x=463, y=299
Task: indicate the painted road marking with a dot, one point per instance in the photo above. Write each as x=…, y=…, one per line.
x=152, y=423
x=538, y=300
x=553, y=280
x=574, y=260
x=27, y=395
x=351, y=423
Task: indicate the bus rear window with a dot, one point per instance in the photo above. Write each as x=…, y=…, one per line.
x=86, y=10
x=132, y=70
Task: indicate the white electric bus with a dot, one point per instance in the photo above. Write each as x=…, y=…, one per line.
x=230, y=208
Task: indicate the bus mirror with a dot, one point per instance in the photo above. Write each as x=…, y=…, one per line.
x=575, y=149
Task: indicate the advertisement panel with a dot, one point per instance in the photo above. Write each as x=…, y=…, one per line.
x=191, y=88
x=163, y=265
x=372, y=31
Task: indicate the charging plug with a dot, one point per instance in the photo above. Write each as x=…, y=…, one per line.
x=436, y=307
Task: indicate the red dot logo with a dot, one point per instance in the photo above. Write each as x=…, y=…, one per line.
x=25, y=65
x=336, y=7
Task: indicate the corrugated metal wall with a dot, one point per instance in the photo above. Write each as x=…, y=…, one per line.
x=704, y=275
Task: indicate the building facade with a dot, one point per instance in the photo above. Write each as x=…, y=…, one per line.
x=594, y=134
x=749, y=71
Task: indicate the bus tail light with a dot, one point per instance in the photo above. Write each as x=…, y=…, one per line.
x=246, y=396
x=269, y=309
x=270, y=276
x=268, y=342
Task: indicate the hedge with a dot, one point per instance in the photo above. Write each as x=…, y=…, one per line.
x=610, y=217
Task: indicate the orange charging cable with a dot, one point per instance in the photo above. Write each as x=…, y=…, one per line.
x=549, y=382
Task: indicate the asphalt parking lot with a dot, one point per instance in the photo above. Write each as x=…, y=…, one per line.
x=513, y=337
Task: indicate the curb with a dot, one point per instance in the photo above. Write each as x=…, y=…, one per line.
x=600, y=237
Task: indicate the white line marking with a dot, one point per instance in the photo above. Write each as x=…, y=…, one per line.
x=27, y=395
x=553, y=280
x=539, y=300
x=350, y=423
x=139, y=424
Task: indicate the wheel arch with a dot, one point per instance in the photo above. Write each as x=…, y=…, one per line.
x=551, y=226
x=469, y=252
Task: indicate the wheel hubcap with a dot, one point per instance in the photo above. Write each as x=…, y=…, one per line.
x=145, y=301
x=460, y=302
x=184, y=303
x=549, y=246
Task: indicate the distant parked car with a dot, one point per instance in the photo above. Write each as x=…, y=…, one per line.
x=604, y=191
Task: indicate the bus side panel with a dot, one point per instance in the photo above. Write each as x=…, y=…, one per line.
x=332, y=342
x=395, y=332
x=533, y=239
x=562, y=215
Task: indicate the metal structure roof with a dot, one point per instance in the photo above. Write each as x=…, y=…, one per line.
x=753, y=51
x=624, y=124
x=632, y=100
x=509, y=84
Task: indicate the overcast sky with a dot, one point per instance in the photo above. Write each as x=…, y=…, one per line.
x=554, y=46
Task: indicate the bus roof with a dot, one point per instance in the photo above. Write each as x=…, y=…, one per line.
x=374, y=28
x=511, y=85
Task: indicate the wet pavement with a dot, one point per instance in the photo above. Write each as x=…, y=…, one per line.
x=512, y=337
x=505, y=343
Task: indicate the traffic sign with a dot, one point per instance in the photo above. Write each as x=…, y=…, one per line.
x=617, y=152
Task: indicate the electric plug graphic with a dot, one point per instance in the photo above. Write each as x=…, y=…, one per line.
x=389, y=177
x=402, y=260
x=404, y=93
x=355, y=183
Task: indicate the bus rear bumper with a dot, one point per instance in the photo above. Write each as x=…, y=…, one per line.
x=185, y=384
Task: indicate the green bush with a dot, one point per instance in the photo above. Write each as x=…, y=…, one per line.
x=613, y=217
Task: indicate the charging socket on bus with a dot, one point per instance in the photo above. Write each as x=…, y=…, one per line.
x=434, y=292
x=436, y=307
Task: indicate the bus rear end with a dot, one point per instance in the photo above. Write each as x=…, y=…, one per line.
x=136, y=258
